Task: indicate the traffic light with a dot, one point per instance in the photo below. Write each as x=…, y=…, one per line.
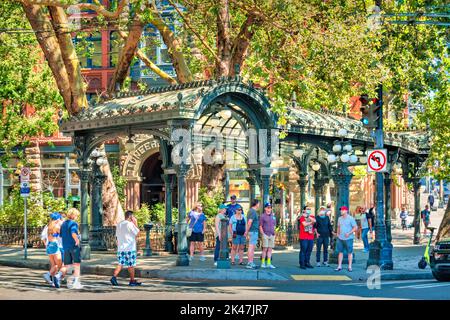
x=369, y=111
x=364, y=99
x=374, y=114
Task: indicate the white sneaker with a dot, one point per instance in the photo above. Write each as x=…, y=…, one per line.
x=318, y=264
x=69, y=282
x=202, y=258
x=48, y=278
x=215, y=264
x=263, y=265
x=191, y=258
x=271, y=266
x=325, y=264
x=77, y=285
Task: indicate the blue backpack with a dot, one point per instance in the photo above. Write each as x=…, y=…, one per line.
x=240, y=227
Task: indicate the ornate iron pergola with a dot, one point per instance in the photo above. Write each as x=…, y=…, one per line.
x=159, y=111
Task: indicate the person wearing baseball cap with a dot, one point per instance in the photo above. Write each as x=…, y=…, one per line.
x=267, y=225
x=53, y=248
x=346, y=227
x=232, y=206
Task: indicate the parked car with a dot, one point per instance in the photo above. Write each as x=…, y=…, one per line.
x=440, y=260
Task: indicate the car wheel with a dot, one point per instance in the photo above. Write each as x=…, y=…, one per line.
x=440, y=277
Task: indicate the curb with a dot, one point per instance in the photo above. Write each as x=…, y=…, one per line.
x=200, y=274
x=192, y=274
x=407, y=276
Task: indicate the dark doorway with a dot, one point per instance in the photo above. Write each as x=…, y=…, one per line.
x=152, y=190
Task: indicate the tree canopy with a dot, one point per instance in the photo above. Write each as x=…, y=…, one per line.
x=326, y=51
x=25, y=83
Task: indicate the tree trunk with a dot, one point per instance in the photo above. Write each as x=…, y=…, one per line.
x=223, y=39
x=50, y=47
x=126, y=54
x=70, y=58
x=175, y=49
x=444, y=228
x=212, y=177
x=61, y=56
x=112, y=208
x=242, y=43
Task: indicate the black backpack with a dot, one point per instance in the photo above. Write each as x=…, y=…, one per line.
x=240, y=227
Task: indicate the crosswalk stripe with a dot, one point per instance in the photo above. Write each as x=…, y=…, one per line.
x=424, y=286
x=387, y=282
x=320, y=277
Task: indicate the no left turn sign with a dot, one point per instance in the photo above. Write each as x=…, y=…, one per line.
x=376, y=161
x=25, y=174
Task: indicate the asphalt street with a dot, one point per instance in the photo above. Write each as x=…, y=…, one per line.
x=21, y=283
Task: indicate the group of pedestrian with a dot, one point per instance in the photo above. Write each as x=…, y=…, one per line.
x=242, y=230
x=319, y=227
x=61, y=237
x=62, y=243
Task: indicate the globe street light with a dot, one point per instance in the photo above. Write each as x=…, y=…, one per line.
x=316, y=166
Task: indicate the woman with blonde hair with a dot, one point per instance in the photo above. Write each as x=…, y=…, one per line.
x=53, y=246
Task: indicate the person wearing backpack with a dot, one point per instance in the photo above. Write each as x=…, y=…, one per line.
x=238, y=228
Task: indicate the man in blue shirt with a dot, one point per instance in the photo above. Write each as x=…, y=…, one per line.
x=231, y=207
x=72, y=249
x=425, y=215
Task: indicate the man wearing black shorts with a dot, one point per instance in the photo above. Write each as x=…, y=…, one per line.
x=71, y=245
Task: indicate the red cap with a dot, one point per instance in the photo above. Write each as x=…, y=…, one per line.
x=343, y=208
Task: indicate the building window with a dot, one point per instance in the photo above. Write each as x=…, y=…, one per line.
x=58, y=174
x=155, y=48
x=90, y=50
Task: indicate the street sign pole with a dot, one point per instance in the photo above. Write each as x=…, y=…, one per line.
x=380, y=252
x=25, y=227
x=25, y=193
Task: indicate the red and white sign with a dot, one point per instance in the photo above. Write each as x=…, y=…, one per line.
x=377, y=160
x=25, y=174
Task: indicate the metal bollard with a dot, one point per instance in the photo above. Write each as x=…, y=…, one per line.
x=148, y=249
x=289, y=234
x=224, y=262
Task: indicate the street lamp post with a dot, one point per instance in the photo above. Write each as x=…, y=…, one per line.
x=97, y=160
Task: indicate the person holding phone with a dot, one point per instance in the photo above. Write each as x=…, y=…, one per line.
x=306, y=236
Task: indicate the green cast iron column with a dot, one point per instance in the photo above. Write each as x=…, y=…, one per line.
x=318, y=189
x=342, y=178
x=227, y=185
x=387, y=203
x=266, y=187
x=96, y=239
x=416, y=186
x=252, y=186
x=302, y=182
x=85, y=247
x=182, y=259
x=168, y=187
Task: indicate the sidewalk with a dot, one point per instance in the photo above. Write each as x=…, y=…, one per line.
x=163, y=266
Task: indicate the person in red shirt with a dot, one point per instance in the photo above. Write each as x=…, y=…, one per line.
x=306, y=226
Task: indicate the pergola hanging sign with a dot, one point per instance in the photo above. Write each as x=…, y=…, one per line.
x=377, y=160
